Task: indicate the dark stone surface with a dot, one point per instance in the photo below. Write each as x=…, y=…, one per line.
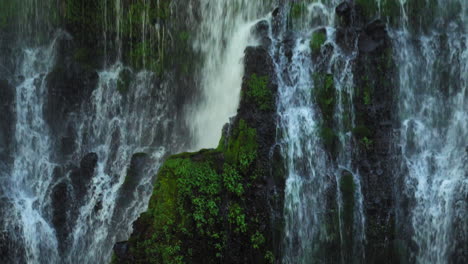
x=7, y=101
x=69, y=85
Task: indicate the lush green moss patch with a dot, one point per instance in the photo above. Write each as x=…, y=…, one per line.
x=259, y=92
x=201, y=196
x=318, y=39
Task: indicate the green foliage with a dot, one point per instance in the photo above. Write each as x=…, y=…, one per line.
x=325, y=98
x=329, y=137
x=259, y=92
x=367, y=143
x=242, y=146
x=389, y=9
x=325, y=95
x=232, y=180
x=269, y=257
x=201, y=197
x=236, y=216
x=318, y=39
x=362, y=131
x=367, y=98
x=257, y=240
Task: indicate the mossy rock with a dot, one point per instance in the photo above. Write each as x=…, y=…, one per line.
x=259, y=93
x=319, y=37
x=201, y=196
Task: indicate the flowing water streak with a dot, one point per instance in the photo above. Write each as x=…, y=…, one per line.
x=224, y=33
x=305, y=158
x=32, y=169
x=433, y=72
x=309, y=169
x=119, y=127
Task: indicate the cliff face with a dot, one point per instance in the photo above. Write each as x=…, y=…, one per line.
x=219, y=205
x=226, y=204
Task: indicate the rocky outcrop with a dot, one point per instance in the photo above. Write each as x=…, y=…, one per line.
x=68, y=195
x=212, y=206
x=374, y=100
x=7, y=99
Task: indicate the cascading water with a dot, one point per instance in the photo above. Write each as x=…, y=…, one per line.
x=32, y=168
x=53, y=210
x=311, y=173
x=433, y=72
x=222, y=37
x=71, y=188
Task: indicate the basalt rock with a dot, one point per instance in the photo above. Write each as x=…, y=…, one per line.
x=69, y=85
x=236, y=228
x=6, y=120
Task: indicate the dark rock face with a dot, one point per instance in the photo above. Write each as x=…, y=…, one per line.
x=69, y=85
x=81, y=177
x=68, y=194
x=6, y=120
x=256, y=114
x=374, y=101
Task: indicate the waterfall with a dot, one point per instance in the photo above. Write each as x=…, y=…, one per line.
x=222, y=37
x=32, y=168
x=313, y=194
x=86, y=121
x=77, y=181
x=433, y=72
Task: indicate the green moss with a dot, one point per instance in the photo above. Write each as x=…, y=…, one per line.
x=362, y=131
x=257, y=240
x=236, y=217
x=241, y=149
x=389, y=9
x=201, y=197
x=328, y=137
x=367, y=143
x=259, y=92
x=269, y=257
x=232, y=180
x=318, y=39
x=297, y=10
x=325, y=95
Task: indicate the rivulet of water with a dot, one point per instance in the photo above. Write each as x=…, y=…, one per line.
x=433, y=107
x=222, y=37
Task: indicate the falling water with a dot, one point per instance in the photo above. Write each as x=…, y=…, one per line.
x=311, y=172
x=223, y=35
x=433, y=75
x=47, y=216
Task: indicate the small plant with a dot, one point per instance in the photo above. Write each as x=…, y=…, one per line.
x=367, y=98
x=259, y=92
x=297, y=9
x=269, y=257
x=367, y=142
x=257, y=240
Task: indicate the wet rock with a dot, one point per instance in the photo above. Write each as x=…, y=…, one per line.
x=61, y=203
x=275, y=12
x=69, y=85
x=344, y=10
x=261, y=32
x=373, y=37
x=6, y=119
x=81, y=177
x=135, y=172
x=121, y=250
